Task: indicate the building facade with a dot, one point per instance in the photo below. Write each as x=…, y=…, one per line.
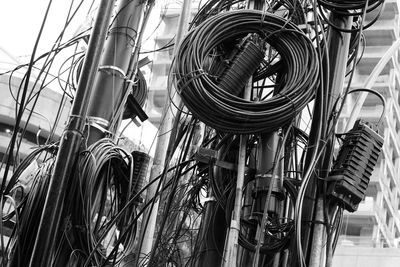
x=162, y=60
x=50, y=110
x=377, y=221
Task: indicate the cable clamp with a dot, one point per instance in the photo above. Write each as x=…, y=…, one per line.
x=116, y=71
x=99, y=123
x=235, y=225
x=132, y=82
x=113, y=70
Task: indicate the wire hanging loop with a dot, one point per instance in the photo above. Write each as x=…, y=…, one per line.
x=380, y=96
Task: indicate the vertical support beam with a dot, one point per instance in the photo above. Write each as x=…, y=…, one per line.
x=318, y=237
x=265, y=182
x=71, y=139
x=231, y=244
x=212, y=234
x=150, y=216
x=338, y=45
x=230, y=255
x=108, y=87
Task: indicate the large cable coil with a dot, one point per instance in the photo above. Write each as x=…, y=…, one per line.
x=226, y=112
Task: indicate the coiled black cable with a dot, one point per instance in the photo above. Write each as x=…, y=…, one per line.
x=139, y=90
x=226, y=112
x=139, y=93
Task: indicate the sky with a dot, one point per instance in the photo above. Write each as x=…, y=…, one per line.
x=21, y=20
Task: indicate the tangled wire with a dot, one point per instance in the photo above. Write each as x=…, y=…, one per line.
x=226, y=112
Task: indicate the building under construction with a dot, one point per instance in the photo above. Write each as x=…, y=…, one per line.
x=277, y=142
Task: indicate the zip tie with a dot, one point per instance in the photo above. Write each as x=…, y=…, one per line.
x=235, y=225
x=116, y=71
x=133, y=82
x=113, y=70
x=99, y=123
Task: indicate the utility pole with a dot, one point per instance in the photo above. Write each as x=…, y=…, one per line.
x=265, y=181
x=108, y=97
x=159, y=161
x=338, y=44
x=99, y=100
x=231, y=243
x=49, y=226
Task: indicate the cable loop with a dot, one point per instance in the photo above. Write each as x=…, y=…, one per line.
x=296, y=64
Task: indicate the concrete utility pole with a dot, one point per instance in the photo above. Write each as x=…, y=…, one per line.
x=150, y=216
x=338, y=45
x=108, y=97
x=49, y=226
x=105, y=72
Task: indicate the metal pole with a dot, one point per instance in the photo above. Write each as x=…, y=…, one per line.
x=211, y=236
x=198, y=137
x=150, y=216
x=318, y=237
x=108, y=90
x=370, y=82
x=71, y=139
x=266, y=180
x=338, y=45
x=231, y=244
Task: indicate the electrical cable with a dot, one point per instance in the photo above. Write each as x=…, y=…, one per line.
x=376, y=93
x=353, y=8
x=226, y=112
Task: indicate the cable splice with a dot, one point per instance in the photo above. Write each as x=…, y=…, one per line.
x=244, y=65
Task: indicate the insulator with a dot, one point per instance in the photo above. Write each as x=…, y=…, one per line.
x=244, y=64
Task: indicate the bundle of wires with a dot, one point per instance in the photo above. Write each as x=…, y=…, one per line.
x=292, y=9
x=352, y=6
x=213, y=7
x=28, y=208
x=229, y=113
x=103, y=222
